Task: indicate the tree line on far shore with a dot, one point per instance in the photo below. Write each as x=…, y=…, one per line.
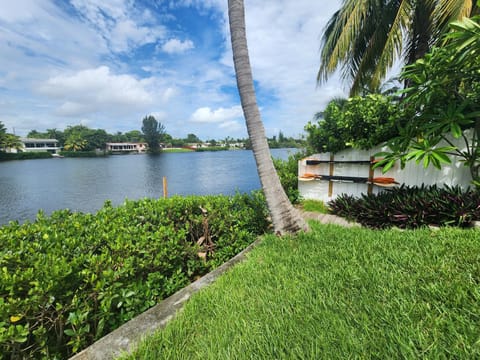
x=83, y=138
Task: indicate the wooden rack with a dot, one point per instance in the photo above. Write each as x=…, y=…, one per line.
x=331, y=178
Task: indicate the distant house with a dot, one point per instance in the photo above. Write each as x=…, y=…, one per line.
x=126, y=147
x=39, y=145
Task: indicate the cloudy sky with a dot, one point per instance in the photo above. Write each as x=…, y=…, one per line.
x=108, y=63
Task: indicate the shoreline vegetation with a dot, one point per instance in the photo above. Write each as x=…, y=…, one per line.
x=88, y=154
x=69, y=278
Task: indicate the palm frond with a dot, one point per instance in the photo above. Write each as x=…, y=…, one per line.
x=342, y=28
x=447, y=11
x=392, y=46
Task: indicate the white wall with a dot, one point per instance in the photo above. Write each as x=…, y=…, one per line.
x=451, y=174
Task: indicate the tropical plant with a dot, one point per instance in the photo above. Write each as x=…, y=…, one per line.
x=56, y=134
x=75, y=142
x=365, y=38
x=411, y=207
x=11, y=142
x=285, y=217
x=359, y=122
x=444, y=96
x=153, y=132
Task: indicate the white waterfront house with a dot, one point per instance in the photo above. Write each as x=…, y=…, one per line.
x=39, y=145
x=126, y=147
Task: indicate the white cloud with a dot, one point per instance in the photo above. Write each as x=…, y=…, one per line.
x=284, y=40
x=207, y=115
x=175, y=46
x=20, y=10
x=232, y=126
x=118, y=21
x=96, y=89
x=106, y=63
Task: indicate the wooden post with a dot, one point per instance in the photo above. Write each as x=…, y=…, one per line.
x=330, y=173
x=370, y=176
x=165, y=193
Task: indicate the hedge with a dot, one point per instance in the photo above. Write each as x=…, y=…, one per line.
x=70, y=278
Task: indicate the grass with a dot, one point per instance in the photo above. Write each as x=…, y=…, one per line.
x=315, y=206
x=337, y=293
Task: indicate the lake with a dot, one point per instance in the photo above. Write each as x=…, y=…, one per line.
x=84, y=184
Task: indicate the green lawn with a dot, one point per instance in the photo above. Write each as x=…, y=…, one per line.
x=315, y=206
x=337, y=293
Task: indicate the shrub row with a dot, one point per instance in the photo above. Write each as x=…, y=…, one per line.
x=70, y=278
x=411, y=207
x=25, y=155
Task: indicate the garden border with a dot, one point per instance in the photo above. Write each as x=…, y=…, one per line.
x=124, y=339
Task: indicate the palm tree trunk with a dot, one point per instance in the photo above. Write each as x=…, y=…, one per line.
x=285, y=217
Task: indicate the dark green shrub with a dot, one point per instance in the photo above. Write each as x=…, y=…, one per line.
x=358, y=122
x=68, y=279
x=411, y=207
x=212, y=148
x=25, y=155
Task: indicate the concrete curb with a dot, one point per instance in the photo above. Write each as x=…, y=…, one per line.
x=129, y=334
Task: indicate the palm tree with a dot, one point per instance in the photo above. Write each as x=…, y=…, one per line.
x=11, y=142
x=285, y=217
x=365, y=37
x=75, y=142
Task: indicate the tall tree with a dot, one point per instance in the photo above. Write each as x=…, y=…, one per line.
x=365, y=37
x=153, y=132
x=56, y=134
x=3, y=134
x=285, y=217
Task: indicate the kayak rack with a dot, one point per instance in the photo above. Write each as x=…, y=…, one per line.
x=326, y=172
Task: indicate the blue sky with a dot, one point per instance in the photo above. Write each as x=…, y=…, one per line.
x=108, y=63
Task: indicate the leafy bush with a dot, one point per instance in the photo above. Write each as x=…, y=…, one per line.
x=212, y=148
x=359, y=122
x=68, y=279
x=411, y=207
x=25, y=155
x=287, y=171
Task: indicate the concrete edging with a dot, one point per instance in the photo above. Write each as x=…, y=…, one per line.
x=129, y=334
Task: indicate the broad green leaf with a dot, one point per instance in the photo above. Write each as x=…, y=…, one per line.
x=426, y=161
x=441, y=157
x=456, y=130
x=388, y=166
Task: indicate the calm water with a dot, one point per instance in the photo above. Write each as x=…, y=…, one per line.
x=84, y=184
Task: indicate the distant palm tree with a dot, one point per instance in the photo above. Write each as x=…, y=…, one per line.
x=11, y=142
x=365, y=37
x=75, y=142
x=285, y=217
